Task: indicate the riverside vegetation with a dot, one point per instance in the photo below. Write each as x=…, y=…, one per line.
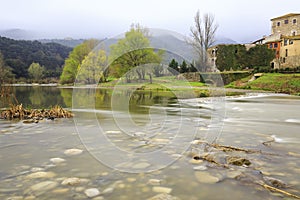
x=275, y=82
x=34, y=115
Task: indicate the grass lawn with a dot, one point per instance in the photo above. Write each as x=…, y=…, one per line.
x=281, y=83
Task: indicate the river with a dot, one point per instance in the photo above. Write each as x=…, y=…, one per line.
x=144, y=145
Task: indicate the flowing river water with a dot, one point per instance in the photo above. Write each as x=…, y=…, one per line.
x=101, y=154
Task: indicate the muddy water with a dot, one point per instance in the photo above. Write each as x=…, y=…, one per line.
x=28, y=170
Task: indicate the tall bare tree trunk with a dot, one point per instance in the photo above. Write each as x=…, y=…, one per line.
x=202, y=37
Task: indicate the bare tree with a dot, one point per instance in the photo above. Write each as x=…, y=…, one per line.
x=203, y=36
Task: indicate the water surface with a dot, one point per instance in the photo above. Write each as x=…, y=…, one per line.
x=249, y=121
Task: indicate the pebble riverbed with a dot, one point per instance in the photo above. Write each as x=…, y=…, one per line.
x=48, y=160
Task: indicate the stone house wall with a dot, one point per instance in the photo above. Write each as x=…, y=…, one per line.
x=288, y=25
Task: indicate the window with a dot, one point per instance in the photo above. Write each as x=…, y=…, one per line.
x=294, y=21
x=286, y=53
x=283, y=60
x=278, y=23
x=285, y=42
x=271, y=46
x=275, y=45
x=286, y=21
x=291, y=42
x=293, y=33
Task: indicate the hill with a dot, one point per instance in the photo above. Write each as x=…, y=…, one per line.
x=176, y=47
x=18, y=34
x=19, y=54
x=69, y=42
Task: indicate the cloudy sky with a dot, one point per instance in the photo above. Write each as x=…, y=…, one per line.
x=240, y=20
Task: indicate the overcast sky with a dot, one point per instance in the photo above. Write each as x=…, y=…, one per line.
x=240, y=20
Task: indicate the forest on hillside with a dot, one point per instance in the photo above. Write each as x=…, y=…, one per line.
x=20, y=54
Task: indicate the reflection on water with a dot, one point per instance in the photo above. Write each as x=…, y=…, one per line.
x=35, y=164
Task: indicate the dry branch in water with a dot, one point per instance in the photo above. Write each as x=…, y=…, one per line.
x=268, y=187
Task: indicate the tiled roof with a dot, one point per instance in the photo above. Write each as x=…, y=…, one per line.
x=285, y=16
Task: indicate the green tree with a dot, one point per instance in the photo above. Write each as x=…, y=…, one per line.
x=36, y=71
x=236, y=57
x=226, y=57
x=5, y=72
x=260, y=55
x=73, y=62
x=173, y=64
x=131, y=52
x=92, y=68
x=183, y=67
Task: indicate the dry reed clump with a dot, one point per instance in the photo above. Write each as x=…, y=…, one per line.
x=19, y=112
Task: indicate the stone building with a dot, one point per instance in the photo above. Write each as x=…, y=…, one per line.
x=285, y=39
x=288, y=25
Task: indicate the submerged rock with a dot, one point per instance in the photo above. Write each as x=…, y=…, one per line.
x=200, y=168
x=275, y=182
x=205, y=177
x=42, y=187
x=37, y=169
x=108, y=190
x=73, y=152
x=91, y=192
x=41, y=175
x=239, y=161
x=60, y=190
x=163, y=196
x=15, y=198
x=142, y=165
x=57, y=160
x=233, y=174
x=71, y=181
x=159, y=189
x=154, y=181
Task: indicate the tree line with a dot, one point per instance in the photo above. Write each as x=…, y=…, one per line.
x=127, y=59
x=18, y=55
x=131, y=58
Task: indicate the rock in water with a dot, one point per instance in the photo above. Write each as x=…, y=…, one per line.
x=71, y=181
x=57, y=160
x=91, y=192
x=275, y=182
x=42, y=187
x=41, y=175
x=73, y=152
x=108, y=190
x=200, y=168
x=163, y=196
x=162, y=189
x=239, y=161
x=205, y=177
x=154, y=181
x=142, y=165
x=233, y=174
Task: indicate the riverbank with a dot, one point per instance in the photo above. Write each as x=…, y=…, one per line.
x=274, y=82
x=268, y=82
